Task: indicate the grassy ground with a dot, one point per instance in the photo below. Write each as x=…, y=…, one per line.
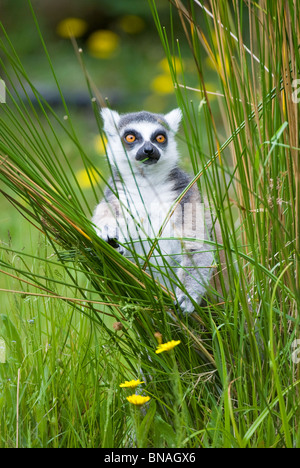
x=82, y=319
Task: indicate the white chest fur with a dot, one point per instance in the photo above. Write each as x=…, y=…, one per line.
x=148, y=207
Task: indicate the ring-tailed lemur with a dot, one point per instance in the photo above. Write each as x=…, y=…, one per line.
x=146, y=182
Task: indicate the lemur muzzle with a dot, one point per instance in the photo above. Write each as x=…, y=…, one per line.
x=148, y=154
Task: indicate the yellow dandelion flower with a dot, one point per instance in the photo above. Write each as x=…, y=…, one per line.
x=132, y=24
x=100, y=144
x=71, y=27
x=166, y=346
x=103, y=43
x=84, y=178
x=162, y=84
x=164, y=64
x=138, y=400
x=131, y=383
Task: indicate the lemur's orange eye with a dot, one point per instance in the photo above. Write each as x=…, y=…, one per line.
x=160, y=138
x=130, y=138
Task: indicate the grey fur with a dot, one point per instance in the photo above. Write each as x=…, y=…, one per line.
x=181, y=180
x=142, y=116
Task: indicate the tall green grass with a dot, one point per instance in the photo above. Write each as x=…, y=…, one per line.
x=232, y=381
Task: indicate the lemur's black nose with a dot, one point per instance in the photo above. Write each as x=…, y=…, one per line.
x=148, y=154
x=148, y=149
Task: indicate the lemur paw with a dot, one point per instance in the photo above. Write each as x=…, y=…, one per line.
x=113, y=242
x=184, y=304
x=110, y=235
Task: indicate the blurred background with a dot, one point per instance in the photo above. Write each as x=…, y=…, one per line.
x=121, y=50
x=123, y=55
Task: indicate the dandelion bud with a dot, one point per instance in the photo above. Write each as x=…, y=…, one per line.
x=117, y=326
x=158, y=337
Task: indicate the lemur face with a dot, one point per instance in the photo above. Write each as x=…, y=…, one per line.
x=145, y=142
x=142, y=138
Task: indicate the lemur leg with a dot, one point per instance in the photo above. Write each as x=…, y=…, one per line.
x=194, y=273
x=198, y=263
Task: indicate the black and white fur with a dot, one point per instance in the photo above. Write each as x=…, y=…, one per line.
x=147, y=175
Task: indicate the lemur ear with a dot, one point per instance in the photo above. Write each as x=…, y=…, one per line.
x=111, y=120
x=173, y=119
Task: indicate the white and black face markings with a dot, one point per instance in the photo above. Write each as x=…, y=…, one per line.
x=132, y=138
x=144, y=140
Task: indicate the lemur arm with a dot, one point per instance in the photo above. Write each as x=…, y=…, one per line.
x=105, y=219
